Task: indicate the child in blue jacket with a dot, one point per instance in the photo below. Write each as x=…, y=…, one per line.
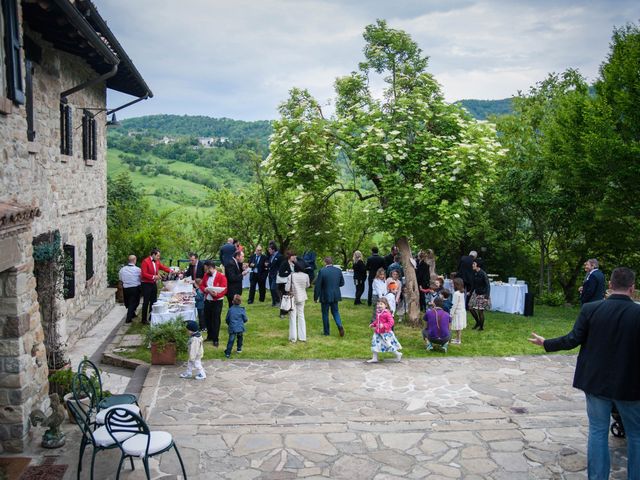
x=236, y=318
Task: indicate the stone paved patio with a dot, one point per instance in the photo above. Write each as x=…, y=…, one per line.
x=466, y=418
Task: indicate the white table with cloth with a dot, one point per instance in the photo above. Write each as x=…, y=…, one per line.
x=349, y=288
x=508, y=298
x=175, y=311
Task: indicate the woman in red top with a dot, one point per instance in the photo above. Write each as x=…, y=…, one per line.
x=214, y=287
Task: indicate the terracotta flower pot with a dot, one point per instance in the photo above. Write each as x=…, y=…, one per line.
x=163, y=357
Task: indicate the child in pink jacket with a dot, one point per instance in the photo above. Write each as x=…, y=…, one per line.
x=384, y=340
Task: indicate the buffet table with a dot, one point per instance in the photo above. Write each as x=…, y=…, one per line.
x=179, y=302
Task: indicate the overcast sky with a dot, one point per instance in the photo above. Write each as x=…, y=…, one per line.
x=239, y=58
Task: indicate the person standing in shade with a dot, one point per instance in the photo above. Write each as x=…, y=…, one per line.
x=130, y=278
x=214, y=286
x=607, y=369
x=374, y=262
x=258, y=276
x=423, y=277
x=149, y=275
x=465, y=272
x=593, y=287
x=480, y=296
x=327, y=291
x=309, y=258
x=359, y=275
x=226, y=252
x=235, y=271
x=390, y=258
x=195, y=268
x=273, y=264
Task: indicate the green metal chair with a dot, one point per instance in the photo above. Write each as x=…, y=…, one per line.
x=83, y=408
x=144, y=444
x=88, y=368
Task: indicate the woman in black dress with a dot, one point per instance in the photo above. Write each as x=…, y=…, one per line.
x=359, y=275
x=480, y=296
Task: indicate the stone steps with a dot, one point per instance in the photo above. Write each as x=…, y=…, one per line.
x=88, y=317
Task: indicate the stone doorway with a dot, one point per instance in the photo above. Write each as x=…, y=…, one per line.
x=23, y=366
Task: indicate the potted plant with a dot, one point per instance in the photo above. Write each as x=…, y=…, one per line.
x=166, y=340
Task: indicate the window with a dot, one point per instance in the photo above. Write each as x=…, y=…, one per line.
x=69, y=286
x=89, y=264
x=12, y=83
x=66, y=130
x=31, y=133
x=89, y=137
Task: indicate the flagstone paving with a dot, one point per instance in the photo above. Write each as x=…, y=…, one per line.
x=451, y=418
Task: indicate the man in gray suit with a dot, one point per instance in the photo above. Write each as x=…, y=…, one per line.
x=327, y=290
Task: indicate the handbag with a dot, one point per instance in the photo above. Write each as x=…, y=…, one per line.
x=286, y=303
x=280, y=279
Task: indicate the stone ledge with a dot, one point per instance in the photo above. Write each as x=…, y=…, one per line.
x=110, y=357
x=89, y=316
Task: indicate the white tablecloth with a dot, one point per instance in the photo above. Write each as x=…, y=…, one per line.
x=158, y=318
x=349, y=288
x=508, y=298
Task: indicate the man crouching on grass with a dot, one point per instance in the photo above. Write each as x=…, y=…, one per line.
x=608, y=369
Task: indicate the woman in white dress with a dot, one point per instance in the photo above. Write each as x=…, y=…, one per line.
x=379, y=289
x=298, y=288
x=458, y=312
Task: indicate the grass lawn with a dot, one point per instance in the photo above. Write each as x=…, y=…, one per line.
x=267, y=335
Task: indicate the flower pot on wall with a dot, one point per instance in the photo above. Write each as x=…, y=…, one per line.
x=166, y=356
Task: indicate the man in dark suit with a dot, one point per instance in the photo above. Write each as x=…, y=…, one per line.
x=195, y=268
x=389, y=259
x=235, y=272
x=592, y=288
x=273, y=263
x=258, y=268
x=226, y=252
x=327, y=290
x=465, y=272
x=374, y=262
x=607, y=369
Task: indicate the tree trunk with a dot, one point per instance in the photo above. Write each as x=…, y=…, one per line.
x=411, y=292
x=541, y=272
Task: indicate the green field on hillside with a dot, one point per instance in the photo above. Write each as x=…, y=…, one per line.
x=166, y=191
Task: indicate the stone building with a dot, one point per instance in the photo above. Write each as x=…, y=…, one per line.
x=58, y=57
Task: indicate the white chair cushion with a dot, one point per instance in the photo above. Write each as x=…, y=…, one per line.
x=100, y=416
x=136, y=445
x=103, y=439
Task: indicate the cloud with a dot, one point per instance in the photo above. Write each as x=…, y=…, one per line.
x=239, y=59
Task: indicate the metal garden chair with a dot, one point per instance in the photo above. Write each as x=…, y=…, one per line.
x=90, y=369
x=143, y=444
x=82, y=409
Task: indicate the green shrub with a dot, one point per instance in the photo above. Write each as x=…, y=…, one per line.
x=168, y=332
x=553, y=299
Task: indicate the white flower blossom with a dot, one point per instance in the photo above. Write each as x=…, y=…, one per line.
x=389, y=157
x=418, y=186
x=289, y=174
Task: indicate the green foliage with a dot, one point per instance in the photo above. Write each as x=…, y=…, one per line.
x=168, y=332
x=61, y=381
x=553, y=299
x=133, y=227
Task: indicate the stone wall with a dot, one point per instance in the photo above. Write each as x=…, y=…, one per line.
x=71, y=192
x=71, y=196
x=23, y=362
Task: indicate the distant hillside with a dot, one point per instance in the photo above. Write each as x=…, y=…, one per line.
x=482, y=109
x=237, y=131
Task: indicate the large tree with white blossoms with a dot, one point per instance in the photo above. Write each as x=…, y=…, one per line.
x=422, y=160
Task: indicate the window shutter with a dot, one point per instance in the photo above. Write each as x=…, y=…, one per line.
x=69, y=288
x=69, y=129
x=89, y=262
x=94, y=139
x=31, y=133
x=85, y=134
x=13, y=57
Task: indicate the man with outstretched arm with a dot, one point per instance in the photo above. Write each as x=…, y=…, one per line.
x=608, y=369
